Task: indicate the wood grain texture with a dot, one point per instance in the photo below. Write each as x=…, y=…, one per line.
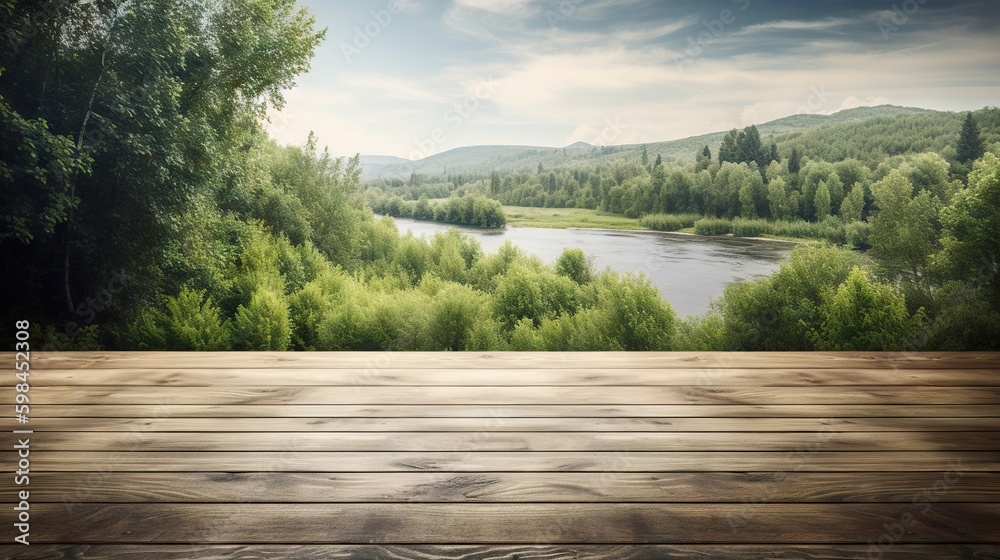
x=500, y=421
x=497, y=456
x=500, y=552
x=488, y=440
x=291, y=460
x=469, y=523
x=586, y=376
x=699, y=487
x=511, y=360
x=487, y=395
x=368, y=412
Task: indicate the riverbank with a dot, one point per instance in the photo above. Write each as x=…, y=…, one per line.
x=585, y=219
x=564, y=218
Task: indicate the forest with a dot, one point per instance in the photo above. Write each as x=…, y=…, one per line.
x=144, y=206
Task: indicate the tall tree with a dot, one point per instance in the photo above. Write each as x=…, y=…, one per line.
x=970, y=145
x=903, y=230
x=645, y=156
x=730, y=150
x=750, y=147
x=795, y=161
x=154, y=97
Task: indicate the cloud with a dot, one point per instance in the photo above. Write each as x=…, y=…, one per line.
x=853, y=102
x=650, y=33
x=514, y=8
x=825, y=24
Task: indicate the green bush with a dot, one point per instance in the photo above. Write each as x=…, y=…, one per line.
x=668, y=222
x=713, y=226
x=864, y=315
x=750, y=228
x=264, y=323
x=635, y=314
x=575, y=265
x=190, y=322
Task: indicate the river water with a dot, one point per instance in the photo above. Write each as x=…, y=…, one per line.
x=689, y=270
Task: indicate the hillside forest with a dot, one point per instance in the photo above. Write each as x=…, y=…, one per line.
x=144, y=206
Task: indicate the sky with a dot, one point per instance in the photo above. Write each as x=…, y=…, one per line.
x=412, y=78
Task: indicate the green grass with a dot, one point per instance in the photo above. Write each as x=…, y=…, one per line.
x=521, y=216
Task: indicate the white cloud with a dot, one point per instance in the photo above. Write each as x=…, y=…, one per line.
x=516, y=8
x=853, y=102
x=794, y=25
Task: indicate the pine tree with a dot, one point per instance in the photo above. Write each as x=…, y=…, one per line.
x=540, y=168
x=774, y=155
x=659, y=161
x=795, y=161
x=970, y=145
x=750, y=148
x=645, y=156
x=707, y=152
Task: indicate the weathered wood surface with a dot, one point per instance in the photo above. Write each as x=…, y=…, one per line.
x=511, y=455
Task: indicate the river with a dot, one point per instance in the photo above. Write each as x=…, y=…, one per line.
x=689, y=270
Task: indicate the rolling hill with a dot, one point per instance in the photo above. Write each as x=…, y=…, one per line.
x=514, y=158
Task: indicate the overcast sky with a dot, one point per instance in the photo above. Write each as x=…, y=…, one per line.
x=412, y=78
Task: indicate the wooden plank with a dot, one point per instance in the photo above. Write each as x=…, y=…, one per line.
x=501, y=422
x=513, y=523
x=218, y=411
x=737, y=377
x=290, y=460
x=891, y=551
x=494, y=360
x=721, y=487
x=508, y=395
x=517, y=441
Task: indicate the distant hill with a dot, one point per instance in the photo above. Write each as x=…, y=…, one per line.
x=516, y=158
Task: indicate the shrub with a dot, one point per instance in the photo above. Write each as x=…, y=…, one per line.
x=668, y=222
x=713, y=226
x=742, y=227
x=264, y=323
x=635, y=314
x=864, y=315
x=575, y=265
x=190, y=322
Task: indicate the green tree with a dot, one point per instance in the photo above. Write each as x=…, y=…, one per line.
x=795, y=161
x=970, y=144
x=729, y=151
x=904, y=228
x=970, y=251
x=822, y=201
x=575, y=265
x=852, y=208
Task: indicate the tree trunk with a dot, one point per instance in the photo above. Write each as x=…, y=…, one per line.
x=72, y=189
